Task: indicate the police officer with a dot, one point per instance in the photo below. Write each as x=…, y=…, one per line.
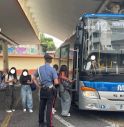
x=47, y=76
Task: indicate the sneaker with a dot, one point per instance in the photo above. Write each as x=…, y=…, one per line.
x=24, y=110
x=68, y=115
x=53, y=110
x=30, y=110
x=8, y=111
x=13, y=110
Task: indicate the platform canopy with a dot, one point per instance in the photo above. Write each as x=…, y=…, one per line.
x=14, y=23
x=54, y=17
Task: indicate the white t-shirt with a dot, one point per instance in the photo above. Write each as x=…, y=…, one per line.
x=10, y=78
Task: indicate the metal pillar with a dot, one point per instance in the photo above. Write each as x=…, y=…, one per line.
x=103, y=6
x=5, y=55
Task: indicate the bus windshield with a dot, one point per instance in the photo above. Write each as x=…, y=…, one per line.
x=104, y=39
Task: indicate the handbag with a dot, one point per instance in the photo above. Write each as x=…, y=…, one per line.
x=3, y=86
x=33, y=86
x=66, y=84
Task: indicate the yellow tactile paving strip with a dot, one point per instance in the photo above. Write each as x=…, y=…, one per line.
x=7, y=120
x=8, y=117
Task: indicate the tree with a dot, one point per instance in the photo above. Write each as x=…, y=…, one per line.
x=47, y=43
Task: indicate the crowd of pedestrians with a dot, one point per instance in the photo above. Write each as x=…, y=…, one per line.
x=49, y=80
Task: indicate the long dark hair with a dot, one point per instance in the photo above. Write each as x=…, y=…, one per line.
x=24, y=71
x=64, y=69
x=14, y=75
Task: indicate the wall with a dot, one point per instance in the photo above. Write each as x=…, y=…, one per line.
x=24, y=49
x=30, y=62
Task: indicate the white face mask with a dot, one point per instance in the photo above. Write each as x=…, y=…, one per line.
x=25, y=73
x=12, y=71
x=93, y=57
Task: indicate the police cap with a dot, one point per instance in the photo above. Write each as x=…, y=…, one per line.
x=47, y=56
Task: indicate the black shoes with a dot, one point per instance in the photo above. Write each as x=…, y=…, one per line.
x=44, y=125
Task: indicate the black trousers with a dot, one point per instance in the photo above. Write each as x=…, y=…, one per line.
x=45, y=107
x=10, y=97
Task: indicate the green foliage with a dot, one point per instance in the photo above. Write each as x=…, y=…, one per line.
x=47, y=43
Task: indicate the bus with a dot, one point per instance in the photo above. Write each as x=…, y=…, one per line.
x=95, y=58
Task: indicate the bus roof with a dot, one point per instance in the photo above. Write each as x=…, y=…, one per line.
x=101, y=15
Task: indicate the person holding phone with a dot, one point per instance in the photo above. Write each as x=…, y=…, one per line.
x=26, y=92
x=11, y=80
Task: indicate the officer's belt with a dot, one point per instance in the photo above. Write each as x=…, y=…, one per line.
x=44, y=86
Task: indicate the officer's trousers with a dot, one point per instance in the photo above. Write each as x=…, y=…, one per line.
x=46, y=104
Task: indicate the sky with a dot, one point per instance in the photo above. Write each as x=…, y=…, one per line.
x=56, y=41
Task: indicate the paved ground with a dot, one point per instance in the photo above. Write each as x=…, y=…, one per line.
x=21, y=119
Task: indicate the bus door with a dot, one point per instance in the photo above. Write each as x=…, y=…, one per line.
x=64, y=56
x=77, y=58
x=75, y=93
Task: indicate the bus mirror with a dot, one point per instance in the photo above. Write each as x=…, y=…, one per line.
x=79, y=32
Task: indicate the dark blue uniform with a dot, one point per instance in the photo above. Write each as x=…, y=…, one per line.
x=46, y=74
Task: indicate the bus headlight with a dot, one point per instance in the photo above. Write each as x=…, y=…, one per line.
x=90, y=92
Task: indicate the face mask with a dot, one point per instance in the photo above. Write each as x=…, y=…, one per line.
x=93, y=57
x=25, y=73
x=12, y=71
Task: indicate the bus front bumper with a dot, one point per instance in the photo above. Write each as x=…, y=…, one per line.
x=102, y=104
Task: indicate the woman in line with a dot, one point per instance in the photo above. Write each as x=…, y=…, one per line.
x=55, y=66
x=26, y=92
x=11, y=80
x=64, y=93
